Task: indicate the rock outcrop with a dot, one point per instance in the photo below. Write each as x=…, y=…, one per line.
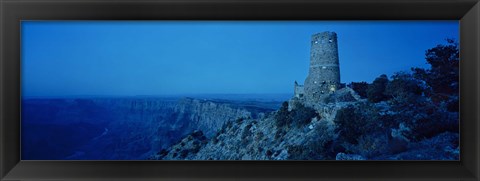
x=322, y=131
x=262, y=139
x=207, y=116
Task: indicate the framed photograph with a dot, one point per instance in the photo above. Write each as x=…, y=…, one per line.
x=244, y=90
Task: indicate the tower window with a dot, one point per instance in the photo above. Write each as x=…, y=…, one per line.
x=316, y=42
x=330, y=40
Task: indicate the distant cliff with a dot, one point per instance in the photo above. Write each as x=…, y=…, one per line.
x=206, y=116
x=137, y=127
x=155, y=124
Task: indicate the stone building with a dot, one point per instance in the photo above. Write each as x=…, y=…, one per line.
x=299, y=91
x=324, y=72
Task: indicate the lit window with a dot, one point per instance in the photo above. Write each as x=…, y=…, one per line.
x=330, y=40
x=316, y=42
x=324, y=67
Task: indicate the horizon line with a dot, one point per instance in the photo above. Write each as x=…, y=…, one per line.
x=152, y=95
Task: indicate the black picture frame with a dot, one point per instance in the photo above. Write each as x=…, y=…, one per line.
x=13, y=11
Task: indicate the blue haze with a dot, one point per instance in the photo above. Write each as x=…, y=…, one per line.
x=123, y=58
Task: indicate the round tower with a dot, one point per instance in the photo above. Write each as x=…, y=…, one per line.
x=324, y=73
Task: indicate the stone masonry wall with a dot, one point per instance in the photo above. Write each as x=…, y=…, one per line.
x=324, y=72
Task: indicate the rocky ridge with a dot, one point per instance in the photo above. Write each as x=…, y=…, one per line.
x=261, y=139
x=299, y=132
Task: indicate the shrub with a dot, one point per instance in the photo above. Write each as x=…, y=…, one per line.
x=225, y=126
x=425, y=118
x=375, y=91
x=214, y=140
x=196, y=142
x=404, y=90
x=347, y=124
x=352, y=122
x=302, y=115
x=304, y=152
x=197, y=134
x=436, y=123
x=360, y=88
x=239, y=120
x=397, y=146
x=259, y=149
x=183, y=153
x=403, y=83
x=323, y=134
x=323, y=140
x=282, y=117
x=246, y=131
x=269, y=153
x=246, y=134
x=318, y=148
x=228, y=125
x=453, y=104
x=196, y=148
x=298, y=152
x=370, y=145
x=162, y=153
x=443, y=76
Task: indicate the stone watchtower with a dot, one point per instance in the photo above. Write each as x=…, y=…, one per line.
x=324, y=73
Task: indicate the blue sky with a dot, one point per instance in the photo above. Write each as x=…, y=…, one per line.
x=128, y=58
